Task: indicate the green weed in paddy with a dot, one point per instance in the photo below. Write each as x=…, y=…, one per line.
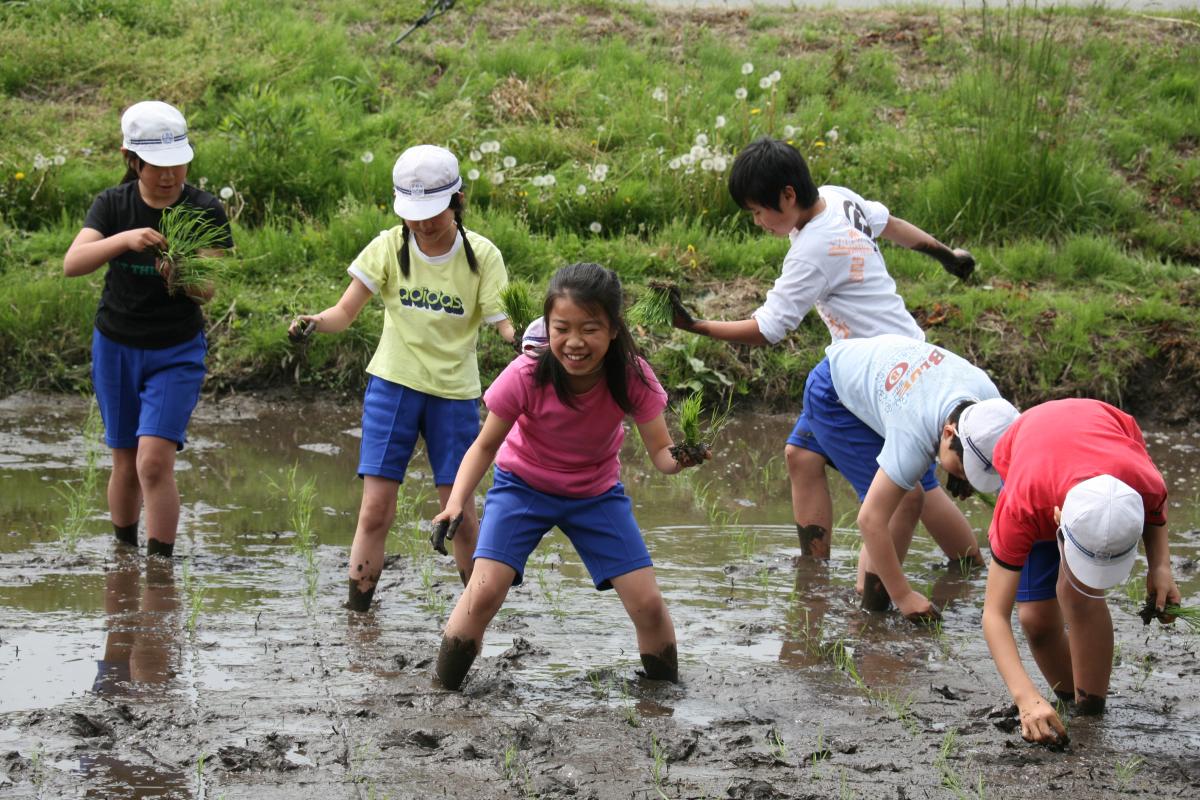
x=1127, y=770
x=658, y=766
x=79, y=499
x=301, y=499
x=186, y=262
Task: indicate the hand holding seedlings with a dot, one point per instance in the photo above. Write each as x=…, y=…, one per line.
x=693, y=450
x=443, y=531
x=963, y=265
x=1169, y=613
x=301, y=328
x=519, y=306
x=654, y=309
x=682, y=318
x=139, y=239
x=185, y=257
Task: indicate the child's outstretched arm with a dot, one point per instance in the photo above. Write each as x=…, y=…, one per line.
x=1039, y=721
x=743, y=331
x=1160, y=584
x=92, y=249
x=338, y=316
x=478, y=458
x=957, y=262
x=658, y=443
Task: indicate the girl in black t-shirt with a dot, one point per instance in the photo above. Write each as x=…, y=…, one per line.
x=148, y=345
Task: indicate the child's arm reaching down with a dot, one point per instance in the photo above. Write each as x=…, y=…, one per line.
x=479, y=457
x=658, y=443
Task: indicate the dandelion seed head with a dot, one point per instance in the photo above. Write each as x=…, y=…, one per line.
x=719, y=164
x=776, y=76
x=687, y=159
x=367, y=157
x=581, y=190
x=659, y=94
x=497, y=177
x=490, y=146
x=706, y=165
x=475, y=155
x=702, y=139
x=675, y=163
x=226, y=192
x=509, y=162
x=595, y=227
x=59, y=159
x=764, y=83
x=473, y=175
x=832, y=134
x=747, y=68
x=720, y=123
x=40, y=161
x=741, y=93
x=789, y=131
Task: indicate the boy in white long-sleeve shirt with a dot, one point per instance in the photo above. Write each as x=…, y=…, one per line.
x=833, y=265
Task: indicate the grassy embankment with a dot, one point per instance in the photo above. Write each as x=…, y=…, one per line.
x=1060, y=147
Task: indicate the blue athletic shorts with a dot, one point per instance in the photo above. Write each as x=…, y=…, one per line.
x=602, y=528
x=1039, y=576
x=849, y=445
x=393, y=415
x=144, y=392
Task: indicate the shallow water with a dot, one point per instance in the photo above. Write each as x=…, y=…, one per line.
x=227, y=675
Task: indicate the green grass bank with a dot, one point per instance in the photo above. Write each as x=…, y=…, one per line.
x=1062, y=147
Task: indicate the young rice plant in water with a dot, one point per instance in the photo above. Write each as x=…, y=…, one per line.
x=189, y=233
x=78, y=498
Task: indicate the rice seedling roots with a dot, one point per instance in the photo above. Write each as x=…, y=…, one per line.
x=690, y=453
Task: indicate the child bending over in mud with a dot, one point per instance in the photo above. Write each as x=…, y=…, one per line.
x=835, y=266
x=554, y=431
x=148, y=346
x=883, y=409
x=438, y=281
x=1079, y=492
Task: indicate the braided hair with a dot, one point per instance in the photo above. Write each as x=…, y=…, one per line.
x=456, y=204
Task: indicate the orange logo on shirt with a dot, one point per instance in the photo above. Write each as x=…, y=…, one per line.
x=895, y=375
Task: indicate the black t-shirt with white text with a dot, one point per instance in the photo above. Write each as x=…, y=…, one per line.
x=135, y=307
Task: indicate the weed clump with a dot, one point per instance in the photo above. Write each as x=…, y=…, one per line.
x=695, y=430
x=653, y=309
x=189, y=233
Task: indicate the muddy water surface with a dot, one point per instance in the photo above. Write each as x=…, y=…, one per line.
x=236, y=673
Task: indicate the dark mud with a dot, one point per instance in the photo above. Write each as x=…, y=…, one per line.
x=221, y=674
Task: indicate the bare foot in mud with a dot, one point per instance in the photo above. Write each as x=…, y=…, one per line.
x=874, y=595
x=662, y=667
x=454, y=660
x=814, y=541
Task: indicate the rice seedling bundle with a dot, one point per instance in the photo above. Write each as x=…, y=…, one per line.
x=189, y=232
x=519, y=304
x=653, y=309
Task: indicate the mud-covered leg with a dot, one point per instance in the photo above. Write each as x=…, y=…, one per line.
x=644, y=603
x=812, y=507
x=475, y=609
x=375, y=516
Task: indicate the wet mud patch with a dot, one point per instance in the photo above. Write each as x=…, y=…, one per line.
x=230, y=673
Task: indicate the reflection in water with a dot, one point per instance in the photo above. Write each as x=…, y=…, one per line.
x=142, y=626
x=139, y=657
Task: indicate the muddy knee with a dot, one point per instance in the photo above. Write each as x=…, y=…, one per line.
x=875, y=596
x=454, y=660
x=662, y=666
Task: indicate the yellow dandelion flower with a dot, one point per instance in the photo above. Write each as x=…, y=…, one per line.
x=692, y=263
x=756, y=111
x=691, y=248
x=20, y=176
x=791, y=141
x=818, y=143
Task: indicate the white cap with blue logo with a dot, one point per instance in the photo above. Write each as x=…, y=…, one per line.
x=157, y=132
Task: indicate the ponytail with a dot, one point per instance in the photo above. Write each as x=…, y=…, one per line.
x=133, y=166
x=456, y=205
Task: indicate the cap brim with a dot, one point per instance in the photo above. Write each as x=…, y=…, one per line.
x=417, y=210
x=1098, y=576
x=980, y=478
x=167, y=157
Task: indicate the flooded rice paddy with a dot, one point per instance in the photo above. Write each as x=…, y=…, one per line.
x=235, y=672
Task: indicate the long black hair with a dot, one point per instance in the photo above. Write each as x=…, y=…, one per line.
x=456, y=203
x=597, y=289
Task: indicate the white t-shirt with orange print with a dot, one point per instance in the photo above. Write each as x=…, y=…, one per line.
x=835, y=266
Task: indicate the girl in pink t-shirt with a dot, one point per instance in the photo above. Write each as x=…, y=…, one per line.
x=554, y=431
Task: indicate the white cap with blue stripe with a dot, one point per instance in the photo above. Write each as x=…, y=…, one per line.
x=157, y=132
x=425, y=179
x=1102, y=520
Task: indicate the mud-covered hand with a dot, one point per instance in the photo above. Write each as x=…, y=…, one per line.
x=1040, y=723
x=682, y=318
x=1162, y=591
x=916, y=608
x=444, y=528
x=958, y=487
x=301, y=328
x=962, y=265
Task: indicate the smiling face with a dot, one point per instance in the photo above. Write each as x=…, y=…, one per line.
x=579, y=338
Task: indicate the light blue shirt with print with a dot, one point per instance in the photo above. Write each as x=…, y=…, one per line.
x=904, y=390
